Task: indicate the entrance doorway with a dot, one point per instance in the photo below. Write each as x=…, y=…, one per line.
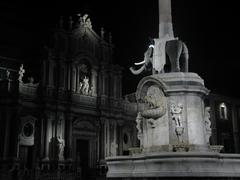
x=82, y=154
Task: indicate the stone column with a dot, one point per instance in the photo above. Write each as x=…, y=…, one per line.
x=113, y=143
x=69, y=77
x=44, y=72
x=120, y=136
x=94, y=82
x=111, y=83
x=213, y=121
x=42, y=137
x=6, y=136
x=120, y=85
x=165, y=19
x=102, y=141
x=68, y=135
x=116, y=86
x=48, y=123
x=104, y=80
x=47, y=72
x=51, y=71
x=103, y=84
x=77, y=78
x=13, y=116
x=73, y=82
x=235, y=129
x=106, y=138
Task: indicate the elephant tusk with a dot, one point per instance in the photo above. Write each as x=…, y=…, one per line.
x=136, y=72
x=139, y=63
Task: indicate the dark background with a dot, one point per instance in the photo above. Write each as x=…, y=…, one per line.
x=209, y=28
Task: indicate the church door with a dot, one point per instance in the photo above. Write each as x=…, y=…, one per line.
x=82, y=154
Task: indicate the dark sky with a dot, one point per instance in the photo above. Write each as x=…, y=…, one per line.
x=209, y=28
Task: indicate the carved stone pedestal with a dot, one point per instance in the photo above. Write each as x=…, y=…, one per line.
x=171, y=112
x=174, y=129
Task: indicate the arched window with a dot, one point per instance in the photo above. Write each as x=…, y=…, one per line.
x=223, y=111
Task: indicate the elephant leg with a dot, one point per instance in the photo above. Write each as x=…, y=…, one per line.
x=178, y=54
x=185, y=57
x=174, y=50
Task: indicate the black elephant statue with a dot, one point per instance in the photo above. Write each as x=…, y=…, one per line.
x=177, y=52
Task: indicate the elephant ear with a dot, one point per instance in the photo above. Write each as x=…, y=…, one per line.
x=150, y=41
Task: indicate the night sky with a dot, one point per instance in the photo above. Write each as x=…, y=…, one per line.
x=208, y=27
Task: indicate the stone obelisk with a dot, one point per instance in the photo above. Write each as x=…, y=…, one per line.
x=165, y=19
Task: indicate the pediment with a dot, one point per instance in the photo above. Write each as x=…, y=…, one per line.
x=84, y=125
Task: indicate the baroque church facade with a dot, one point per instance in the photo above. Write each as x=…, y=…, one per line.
x=76, y=115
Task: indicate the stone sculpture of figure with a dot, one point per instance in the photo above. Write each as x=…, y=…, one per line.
x=176, y=111
x=7, y=74
x=85, y=86
x=60, y=147
x=21, y=72
x=139, y=123
x=207, y=123
x=147, y=62
x=31, y=80
x=174, y=48
x=80, y=87
x=90, y=92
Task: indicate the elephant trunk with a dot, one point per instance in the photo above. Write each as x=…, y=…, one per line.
x=138, y=71
x=154, y=113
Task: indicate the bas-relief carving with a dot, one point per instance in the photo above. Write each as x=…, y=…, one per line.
x=154, y=110
x=155, y=105
x=176, y=112
x=207, y=123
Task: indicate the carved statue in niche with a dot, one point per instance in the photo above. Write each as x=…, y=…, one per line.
x=85, y=86
x=176, y=112
x=60, y=147
x=7, y=74
x=21, y=72
x=90, y=92
x=207, y=123
x=155, y=107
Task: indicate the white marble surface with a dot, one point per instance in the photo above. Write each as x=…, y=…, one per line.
x=172, y=164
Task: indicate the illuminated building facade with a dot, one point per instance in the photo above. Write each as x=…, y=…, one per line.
x=75, y=116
